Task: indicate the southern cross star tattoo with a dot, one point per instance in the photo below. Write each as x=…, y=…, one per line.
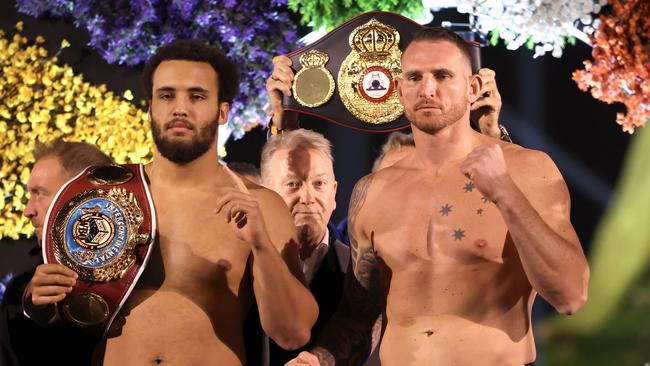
x=485, y=199
x=479, y=211
x=458, y=234
x=445, y=210
x=469, y=186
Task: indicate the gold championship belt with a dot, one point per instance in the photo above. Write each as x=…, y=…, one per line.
x=348, y=76
x=366, y=78
x=101, y=225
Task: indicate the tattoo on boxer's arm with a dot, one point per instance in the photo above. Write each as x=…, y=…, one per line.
x=346, y=341
x=357, y=200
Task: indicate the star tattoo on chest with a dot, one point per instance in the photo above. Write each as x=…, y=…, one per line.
x=469, y=186
x=479, y=211
x=445, y=210
x=458, y=234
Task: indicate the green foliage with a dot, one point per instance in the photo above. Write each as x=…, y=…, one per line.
x=621, y=243
x=622, y=340
x=332, y=13
x=571, y=40
x=613, y=328
x=494, y=37
x=530, y=43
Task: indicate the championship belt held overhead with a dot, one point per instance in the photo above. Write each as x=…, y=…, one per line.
x=348, y=76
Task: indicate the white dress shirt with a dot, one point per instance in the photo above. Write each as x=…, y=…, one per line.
x=312, y=263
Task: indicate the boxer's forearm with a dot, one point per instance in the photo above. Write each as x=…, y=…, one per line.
x=553, y=260
x=287, y=309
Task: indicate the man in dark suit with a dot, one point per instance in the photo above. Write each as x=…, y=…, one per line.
x=298, y=166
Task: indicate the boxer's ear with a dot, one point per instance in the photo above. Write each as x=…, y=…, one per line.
x=474, y=87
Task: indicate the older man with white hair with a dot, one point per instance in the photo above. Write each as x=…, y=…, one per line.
x=298, y=166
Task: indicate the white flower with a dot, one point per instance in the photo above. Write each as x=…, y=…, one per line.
x=547, y=22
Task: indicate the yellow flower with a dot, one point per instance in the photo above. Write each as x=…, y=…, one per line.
x=4, y=113
x=24, y=175
x=222, y=153
x=19, y=192
x=21, y=117
x=50, y=101
x=25, y=93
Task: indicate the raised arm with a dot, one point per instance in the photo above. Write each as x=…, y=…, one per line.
x=277, y=86
x=486, y=109
x=261, y=219
x=347, y=338
x=535, y=205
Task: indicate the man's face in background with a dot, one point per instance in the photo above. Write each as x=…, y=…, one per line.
x=45, y=180
x=305, y=180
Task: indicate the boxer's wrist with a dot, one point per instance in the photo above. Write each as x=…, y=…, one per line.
x=261, y=244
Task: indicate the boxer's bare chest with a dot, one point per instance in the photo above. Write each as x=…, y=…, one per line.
x=195, y=245
x=442, y=220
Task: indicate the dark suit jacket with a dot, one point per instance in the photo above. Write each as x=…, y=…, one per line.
x=327, y=288
x=23, y=342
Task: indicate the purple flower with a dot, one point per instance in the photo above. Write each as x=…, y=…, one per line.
x=4, y=281
x=128, y=32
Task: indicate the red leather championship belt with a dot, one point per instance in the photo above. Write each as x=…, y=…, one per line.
x=101, y=224
x=348, y=76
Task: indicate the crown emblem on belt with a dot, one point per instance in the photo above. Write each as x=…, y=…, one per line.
x=367, y=76
x=313, y=84
x=374, y=39
x=313, y=58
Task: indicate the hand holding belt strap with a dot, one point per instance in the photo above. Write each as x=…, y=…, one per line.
x=348, y=76
x=101, y=224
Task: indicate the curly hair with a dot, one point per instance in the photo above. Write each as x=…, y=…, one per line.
x=194, y=50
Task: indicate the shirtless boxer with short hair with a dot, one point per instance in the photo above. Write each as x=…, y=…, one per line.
x=222, y=242
x=453, y=242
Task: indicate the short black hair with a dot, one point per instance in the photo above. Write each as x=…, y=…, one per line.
x=434, y=34
x=194, y=50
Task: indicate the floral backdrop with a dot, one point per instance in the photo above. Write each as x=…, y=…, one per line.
x=327, y=14
x=620, y=71
x=127, y=32
x=41, y=100
x=252, y=33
